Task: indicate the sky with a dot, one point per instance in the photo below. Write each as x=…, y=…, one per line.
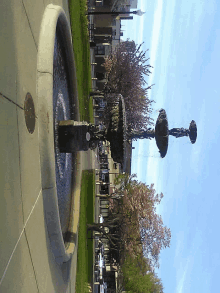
x=183, y=38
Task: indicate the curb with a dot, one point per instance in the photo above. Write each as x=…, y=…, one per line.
x=55, y=16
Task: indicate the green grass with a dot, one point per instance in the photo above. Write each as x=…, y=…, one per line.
x=81, y=48
x=85, y=246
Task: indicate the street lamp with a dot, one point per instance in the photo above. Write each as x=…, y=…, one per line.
x=116, y=13
x=138, y=12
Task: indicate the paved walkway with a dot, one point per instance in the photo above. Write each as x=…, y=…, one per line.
x=27, y=264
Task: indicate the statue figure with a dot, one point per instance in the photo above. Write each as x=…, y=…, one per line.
x=179, y=132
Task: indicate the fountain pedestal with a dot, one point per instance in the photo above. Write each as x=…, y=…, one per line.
x=80, y=136
x=77, y=136
x=73, y=136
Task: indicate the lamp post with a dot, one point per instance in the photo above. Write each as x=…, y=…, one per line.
x=116, y=13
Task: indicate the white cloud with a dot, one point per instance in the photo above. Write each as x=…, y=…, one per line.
x=179, y=245
x=180, y=285
x=160, y=34
x=161, y=46
x=141, y=26
x=185, y=257
x=155, y=36
x=152, y=162
x=195, y=159
x=134, y=29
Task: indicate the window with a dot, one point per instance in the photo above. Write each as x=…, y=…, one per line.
x=100, y=50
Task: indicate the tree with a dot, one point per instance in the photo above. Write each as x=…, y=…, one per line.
x=126, y=69
x=133, y=225
x=138, y=277
x=111, y=230
x=142, y=223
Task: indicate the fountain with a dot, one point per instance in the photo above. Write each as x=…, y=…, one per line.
x=162, y=132
x=62, y=135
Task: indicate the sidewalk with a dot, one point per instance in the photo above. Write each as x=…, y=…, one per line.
x=27, y=264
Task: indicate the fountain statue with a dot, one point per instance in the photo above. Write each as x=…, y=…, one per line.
x=161, y=133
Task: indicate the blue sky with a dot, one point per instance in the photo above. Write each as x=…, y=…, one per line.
x=183, y=38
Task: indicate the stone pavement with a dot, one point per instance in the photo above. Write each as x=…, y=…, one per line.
x=27, y=263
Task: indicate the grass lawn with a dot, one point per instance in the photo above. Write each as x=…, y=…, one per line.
x=85, y=246
x=81, y=48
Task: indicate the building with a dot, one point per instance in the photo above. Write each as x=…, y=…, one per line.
x=125, y=5
x=107, y=32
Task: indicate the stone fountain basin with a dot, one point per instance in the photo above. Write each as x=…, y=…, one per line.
x=55, y=16
x=162, y=133
x=192, y=131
